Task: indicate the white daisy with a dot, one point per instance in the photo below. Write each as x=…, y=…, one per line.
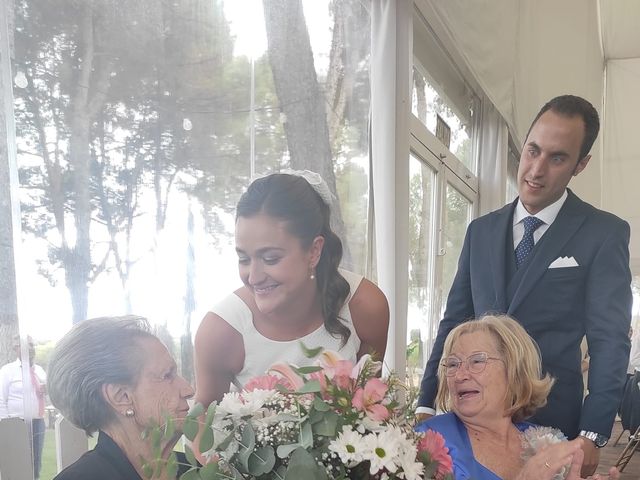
x=412, y=470
x=349, y=446
x=383, y=449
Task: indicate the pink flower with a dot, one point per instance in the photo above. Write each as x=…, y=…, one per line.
x=266, y=382
x=368, y=399
x=432, y=448
x=322, y=379
x=342, y=375
x=287, y=373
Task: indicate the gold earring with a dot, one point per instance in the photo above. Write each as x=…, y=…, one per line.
x=129, y=413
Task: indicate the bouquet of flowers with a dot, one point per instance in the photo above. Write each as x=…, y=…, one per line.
x=334, y=420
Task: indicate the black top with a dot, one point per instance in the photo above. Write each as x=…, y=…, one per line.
x=105, y=462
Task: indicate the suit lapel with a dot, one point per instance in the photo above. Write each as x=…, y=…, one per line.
x=500, y=223
x=569, y=219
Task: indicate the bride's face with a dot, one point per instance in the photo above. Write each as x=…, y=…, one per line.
x=273, y=263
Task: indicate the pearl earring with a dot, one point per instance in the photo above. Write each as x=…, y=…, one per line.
x=129, y=412
x=312, y=275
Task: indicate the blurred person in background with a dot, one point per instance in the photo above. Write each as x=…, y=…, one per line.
x=26, y=402
x=630, y=405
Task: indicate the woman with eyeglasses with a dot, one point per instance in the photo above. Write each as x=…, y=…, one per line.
x=490, y=382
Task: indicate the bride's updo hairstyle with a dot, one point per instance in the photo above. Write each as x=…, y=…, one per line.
x=293, y=199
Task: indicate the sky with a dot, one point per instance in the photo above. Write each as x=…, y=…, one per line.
x=158, y=280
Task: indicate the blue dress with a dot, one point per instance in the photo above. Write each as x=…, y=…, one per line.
x=465, y=466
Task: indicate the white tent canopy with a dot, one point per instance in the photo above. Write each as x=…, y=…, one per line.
x=524, y=52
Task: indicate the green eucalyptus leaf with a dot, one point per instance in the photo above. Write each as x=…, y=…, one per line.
x=310, y=352
x=190, y=428
x=206, y=440
x=303, y=465
x=172, y=465
x=225, y=443
x=169, y=427
x=147, y=470
x=262, y=461
x=191, y=474
x=328, y=426
x=210, y=471
x=248, y=438
x=211, y=412
x=156, y=440
x=191, y=458
x=307, y=370
x=284, y=451
x=196, y=410
x=306, y=435
x=321, y=405
x=316, y=416
x=247, y=444
x=312, y=386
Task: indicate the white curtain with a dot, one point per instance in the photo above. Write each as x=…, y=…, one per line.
x=391, y=33
x=621, y=194
x=525, y=52
x=485, y=34
x=493, y=155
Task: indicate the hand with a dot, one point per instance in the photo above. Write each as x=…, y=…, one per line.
x=421, y=417
x=576, y=465
x=550, y=460
x=591, y=458
x=614, y=474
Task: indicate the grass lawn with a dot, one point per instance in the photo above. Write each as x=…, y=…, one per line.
x=49, y=468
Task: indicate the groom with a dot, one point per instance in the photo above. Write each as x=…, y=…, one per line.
x=558, y=266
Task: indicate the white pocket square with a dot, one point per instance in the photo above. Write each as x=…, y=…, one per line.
x=564, y=262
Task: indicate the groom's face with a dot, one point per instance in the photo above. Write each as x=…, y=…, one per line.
x=549, y=159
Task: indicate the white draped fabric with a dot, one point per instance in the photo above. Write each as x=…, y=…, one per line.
x=621, y=148
x=524, y=52
x=493, y=154
x=391, y=33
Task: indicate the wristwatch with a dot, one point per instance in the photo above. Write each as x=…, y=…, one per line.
x=598, y=440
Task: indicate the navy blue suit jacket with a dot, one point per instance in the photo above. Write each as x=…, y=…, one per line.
x=556, y=306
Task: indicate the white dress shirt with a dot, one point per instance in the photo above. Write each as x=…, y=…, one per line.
x=12, y=391
x=547, y=215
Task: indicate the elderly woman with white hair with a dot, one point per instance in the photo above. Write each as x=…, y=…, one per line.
x=114, y=377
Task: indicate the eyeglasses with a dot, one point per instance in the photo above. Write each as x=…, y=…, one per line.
x=475, y=363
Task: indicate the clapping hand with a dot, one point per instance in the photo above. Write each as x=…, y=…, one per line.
x=576, y=466
x=549, y=461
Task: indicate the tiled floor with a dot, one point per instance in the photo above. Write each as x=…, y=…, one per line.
x=610, y=454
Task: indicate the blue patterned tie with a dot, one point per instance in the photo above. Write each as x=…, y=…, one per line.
x=525, y=246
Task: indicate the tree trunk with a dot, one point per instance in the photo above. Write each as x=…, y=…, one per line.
x=301, y=99
x=186, y=346
x=88, y=99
